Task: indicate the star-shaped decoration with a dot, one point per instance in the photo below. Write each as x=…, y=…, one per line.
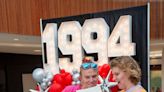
x=105, y=84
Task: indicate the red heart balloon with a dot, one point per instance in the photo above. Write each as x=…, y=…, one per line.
x=106, y=68
x=100, y=70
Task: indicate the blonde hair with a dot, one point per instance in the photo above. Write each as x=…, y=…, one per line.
x=130, y=66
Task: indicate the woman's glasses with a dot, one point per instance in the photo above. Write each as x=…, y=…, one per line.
x=89, y=65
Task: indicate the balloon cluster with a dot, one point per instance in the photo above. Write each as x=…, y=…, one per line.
x=47, y=82
x=103, y=72
x=42, y=78
x=60, y=81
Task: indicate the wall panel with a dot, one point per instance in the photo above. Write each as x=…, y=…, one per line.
x=156, y=20
x=13, y=16
x=161, y=19
x=35, y=16
x=3, y=17
x=22, y=17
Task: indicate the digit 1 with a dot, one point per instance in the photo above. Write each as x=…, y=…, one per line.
x=49, y=36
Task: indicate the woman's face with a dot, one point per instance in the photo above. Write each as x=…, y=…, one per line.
x=121, y=77
x=89, y=78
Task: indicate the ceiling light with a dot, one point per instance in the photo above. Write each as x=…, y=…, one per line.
x=156, y=54
x=37, y=50
x=16, y=39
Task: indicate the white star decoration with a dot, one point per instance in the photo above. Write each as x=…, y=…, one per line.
x=105, y=84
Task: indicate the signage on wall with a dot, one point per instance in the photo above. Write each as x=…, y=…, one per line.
x=72, y=38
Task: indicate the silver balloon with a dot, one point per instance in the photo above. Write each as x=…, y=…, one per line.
x=74, y=71
x=45, y=80
x=76, y=77
x=78, y=82
x=43, y=85
x=49, y=76
x=73, y=83
x=49, y=83
x=38, y=74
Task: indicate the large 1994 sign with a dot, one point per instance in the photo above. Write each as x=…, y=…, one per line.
x=105, y=44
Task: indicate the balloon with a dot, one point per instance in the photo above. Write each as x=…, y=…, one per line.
x=49, y=83
x=106, y=68
x=56, y=87
x=38, y=74
x=43, y=86
x=74, y=71
x=76, y=77
x=74, y=83
x=104, y=75
x=111, y=78
x=68, y=79
x=37, y=88
x=98, y=82
x=103, y=70
x=62, y=71
x=114, y=89
x=100, y=70
x=49, y=76
x=58, y=78
x=78, y=82
x=45, y=80
x=63, y=75
x=67, y=73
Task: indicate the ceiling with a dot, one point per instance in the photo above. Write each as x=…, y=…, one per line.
x=21, y=44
